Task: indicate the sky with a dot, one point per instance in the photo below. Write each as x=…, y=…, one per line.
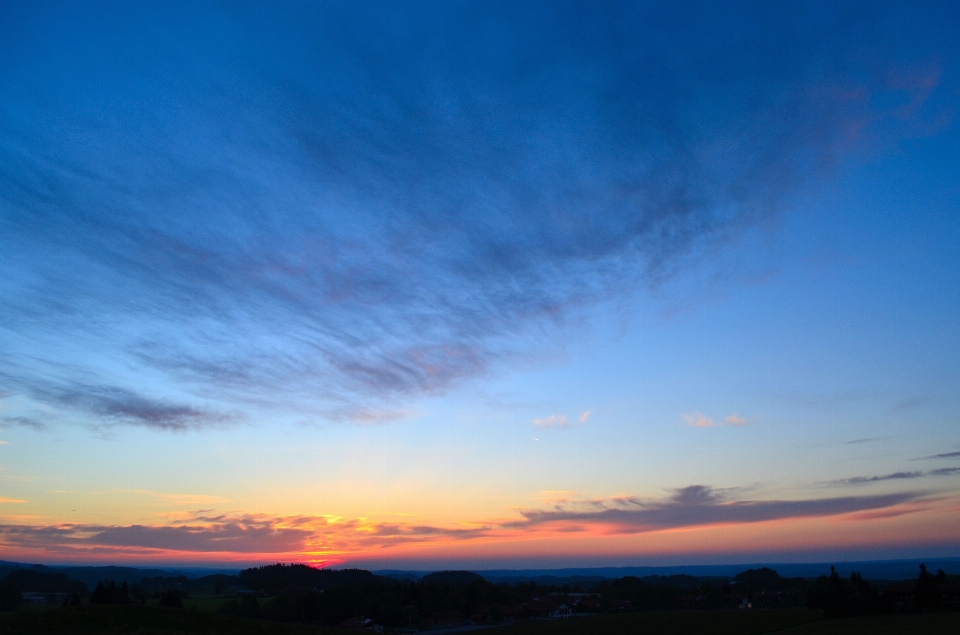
x=488, y=285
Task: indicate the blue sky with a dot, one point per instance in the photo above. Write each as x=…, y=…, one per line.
x=454, y=265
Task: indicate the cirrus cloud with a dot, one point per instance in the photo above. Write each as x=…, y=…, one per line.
x=345, y=212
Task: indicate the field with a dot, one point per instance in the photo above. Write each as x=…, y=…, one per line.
x=143, y=620
x=785, y=622
x=671, y=623
x=153, y=620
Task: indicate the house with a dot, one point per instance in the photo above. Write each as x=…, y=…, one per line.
x=480, y=615
x=767, y=600
x=361, y=624
x=514, y=613
x=950, y=596
x=259, y=593
x=441, y=619
x=900, y=595
x=690, y=601
x=562, y=611
x=578, y=601
x=587, y=604
x=40, y=597
x=548, y=607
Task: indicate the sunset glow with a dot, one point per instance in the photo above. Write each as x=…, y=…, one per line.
x=473, y=285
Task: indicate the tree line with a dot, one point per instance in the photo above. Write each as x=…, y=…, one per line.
x=843, y=597
x=298, y=593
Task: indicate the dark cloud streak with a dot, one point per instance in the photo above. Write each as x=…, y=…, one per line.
x=699, y=505
x=861, y=480
x=945, y=455
x=111, y=405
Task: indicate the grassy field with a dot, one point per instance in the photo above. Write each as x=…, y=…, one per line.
x=671, y=623
x=153, y=620
x=932, y=624
x=784, y=622
x=142, y=620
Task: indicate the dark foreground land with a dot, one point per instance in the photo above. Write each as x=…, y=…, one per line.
x=154, y=620
x=787, y=622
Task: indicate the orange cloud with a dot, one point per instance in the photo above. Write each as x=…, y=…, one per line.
x=598, y=525
x=700, y=420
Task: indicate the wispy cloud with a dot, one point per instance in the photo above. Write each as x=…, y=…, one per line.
x=945, y=455
x=909, y=404
x=700, y=420
x=553, y=421
x=894, y=476
x=561, y=421
x=26, y=422
x=699, y=505
x=866, y=440
x=107, y=405
x=862, y=480
x=345, y=212
x=245, y=534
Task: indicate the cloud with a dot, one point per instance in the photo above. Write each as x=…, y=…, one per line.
x=317, y=211
x=107, y=405
x=230, y=534
x=26, y=422
x=553, y=421
x=909, y=404
x=560, y=421
x=894, y=476
x=700, y=420
x=245, y=534
x=945, y=455
x=861, y=480
x=207, y=532
x=866, y=440
x=11, y=500
x=735, y=420
x=700, y=505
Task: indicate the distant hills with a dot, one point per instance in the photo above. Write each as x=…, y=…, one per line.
x=877, y=570
x=90, y=575
x=451, y=577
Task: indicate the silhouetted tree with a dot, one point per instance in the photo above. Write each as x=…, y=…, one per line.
x=927, y=594
x=830, y=594
x=10, y=598
x=72, y=599
x=171, y=599
x=138, y=593
x=110, y=593
x=44, y=581
x=248, y=606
